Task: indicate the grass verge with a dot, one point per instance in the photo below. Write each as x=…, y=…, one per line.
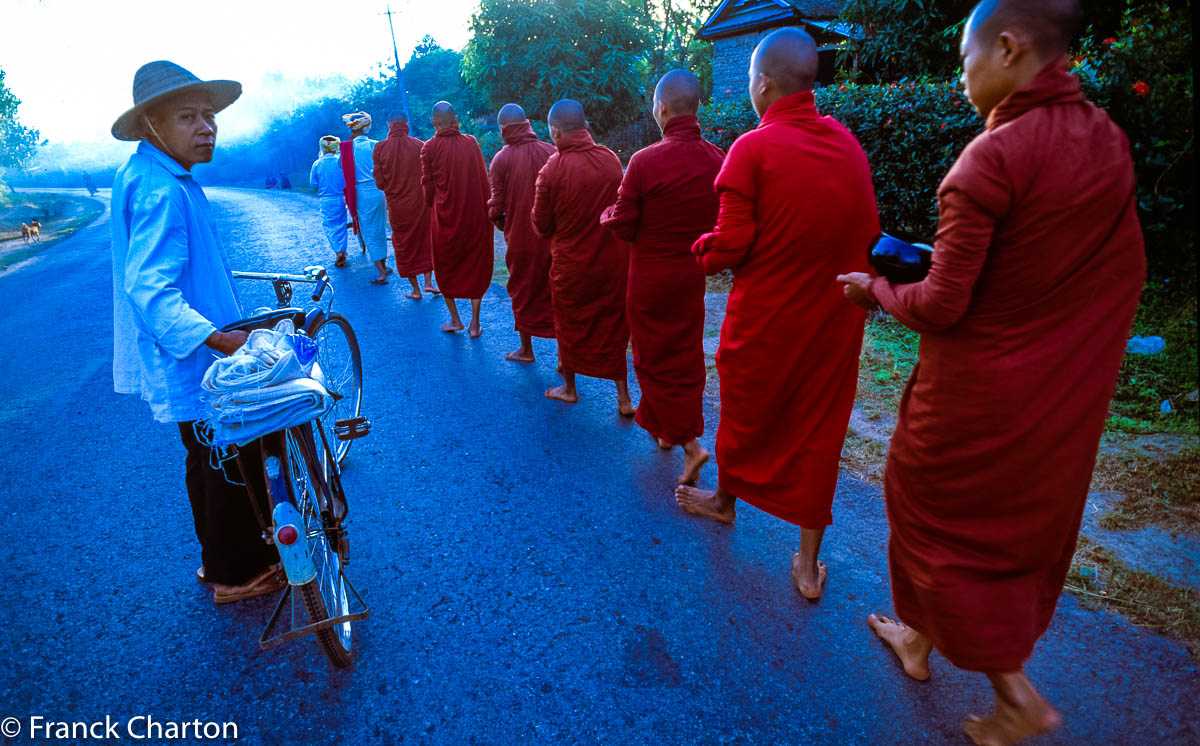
x=89, y=208
x=1161, y=491
x=1100, y=580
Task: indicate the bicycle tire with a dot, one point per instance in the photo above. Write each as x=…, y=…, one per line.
x=341, y=362
x=325, y=596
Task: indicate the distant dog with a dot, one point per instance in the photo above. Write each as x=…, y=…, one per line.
x=35, y=231
x=25, y=232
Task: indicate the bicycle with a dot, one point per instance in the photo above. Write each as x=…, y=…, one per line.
x=301, y=473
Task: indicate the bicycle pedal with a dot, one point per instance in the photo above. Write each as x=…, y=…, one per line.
x=354, y=427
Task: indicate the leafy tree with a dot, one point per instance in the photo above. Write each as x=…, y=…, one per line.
x=535, y=52
x=17, y=142
x=435, y=74
x=671, y=27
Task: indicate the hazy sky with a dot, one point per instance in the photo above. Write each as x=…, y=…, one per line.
x=71, y=62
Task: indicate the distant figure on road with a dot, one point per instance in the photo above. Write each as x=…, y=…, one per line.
x=89, y=185
x=665, y=203
x=1024, y=317
x=272, y=182
x=327, y=178
x=172, y=291
x=797, y=210
x=513, y=177
x=284, y=181
x=372, y=214
x=454, y=179
x=398, y=174
x=589, y=266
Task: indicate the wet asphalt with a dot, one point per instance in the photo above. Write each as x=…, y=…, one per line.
x=529, y=576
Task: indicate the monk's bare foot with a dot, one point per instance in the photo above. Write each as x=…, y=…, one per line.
x=910, y=647
x=519, y=356
x=809, y=587
x=704, y=504
x=663, y=444
x=414, y=294
x=1020, y=713
x=625, y=407
x=560, y=393
x=475, y=330
x=452, y=326
x=432, y=290
x=692, y=464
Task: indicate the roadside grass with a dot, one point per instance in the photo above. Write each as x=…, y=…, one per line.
x=54, y=232
x=1100, y=580
x=1169, y=311
x=1160, y=491
x=889, y=353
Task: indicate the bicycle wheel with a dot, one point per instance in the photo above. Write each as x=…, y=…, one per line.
x=325, y=596
x=340, y=361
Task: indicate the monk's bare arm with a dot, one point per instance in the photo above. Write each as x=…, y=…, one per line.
x=427, y=174
x=498, y=179
x=543, y=207
x=729, y=242
x=624, y=217
x=380, y=173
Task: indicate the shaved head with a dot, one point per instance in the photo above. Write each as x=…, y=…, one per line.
x=443, y=115
x=1050, y=25
x=510, y=113
x=398, y=116
x=567, y=115
x=788, y=58
x=679, y=92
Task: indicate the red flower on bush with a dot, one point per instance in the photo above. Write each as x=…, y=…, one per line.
x=1109, y=41
x=1141, y=88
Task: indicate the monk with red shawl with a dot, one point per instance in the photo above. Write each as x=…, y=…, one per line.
x=454, y=179
x=588, y=264
x=514, y=175
x=665, y=203
x=1037, y=268
x=398, y=174
x=797, y=210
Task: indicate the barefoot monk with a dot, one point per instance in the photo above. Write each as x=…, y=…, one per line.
x=797, y=210
x=1037, y=268
x=398, y=174
x=665, y=203
x=514, y=175
x=455, y=181
x=588, y=264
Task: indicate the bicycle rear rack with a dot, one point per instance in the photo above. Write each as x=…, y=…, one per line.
x=298, y=613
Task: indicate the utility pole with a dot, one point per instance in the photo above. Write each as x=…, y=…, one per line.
x=399, y=72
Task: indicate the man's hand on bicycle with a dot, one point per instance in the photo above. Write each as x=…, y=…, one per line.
x=226, y=343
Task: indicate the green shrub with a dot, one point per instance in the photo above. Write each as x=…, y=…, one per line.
x=911, y=130
x=1143, y=78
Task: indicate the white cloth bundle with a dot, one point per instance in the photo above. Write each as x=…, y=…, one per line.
x=271, y=383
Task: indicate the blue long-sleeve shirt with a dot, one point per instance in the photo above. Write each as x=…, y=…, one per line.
x=327, y=177
x=172, y=286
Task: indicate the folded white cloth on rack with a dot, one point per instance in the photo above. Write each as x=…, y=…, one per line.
x=270, y=383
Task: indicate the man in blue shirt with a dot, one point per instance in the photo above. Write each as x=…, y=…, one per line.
x=327, y=178
x=172, y=292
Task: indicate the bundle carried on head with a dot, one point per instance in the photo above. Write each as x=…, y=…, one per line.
x=359, y=121
x=271, y=383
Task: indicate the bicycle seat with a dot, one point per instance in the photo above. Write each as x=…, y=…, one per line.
x=267, y=320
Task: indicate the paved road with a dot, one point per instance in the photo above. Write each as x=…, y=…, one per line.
x=529, y=577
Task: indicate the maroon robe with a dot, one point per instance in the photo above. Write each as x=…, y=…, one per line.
x=514, y=175
x=797, y=210
x=1024, y=317
x=589, y=266
x=398, y=175
x=665, y=203
x=455, y=182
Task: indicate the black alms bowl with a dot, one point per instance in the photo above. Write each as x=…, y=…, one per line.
x=899, y=261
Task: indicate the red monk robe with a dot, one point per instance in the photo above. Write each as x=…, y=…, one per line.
x=589, y=266
x=455, y=182
x=398, y=175
x=797, y=210
x=514, y=175
x=1024, y=317
x=665, y=203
